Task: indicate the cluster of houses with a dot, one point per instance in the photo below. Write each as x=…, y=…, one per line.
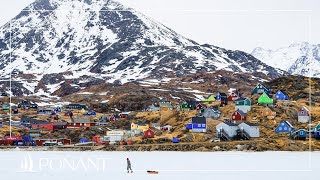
x=237, y=126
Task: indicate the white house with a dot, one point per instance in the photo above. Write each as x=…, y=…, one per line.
x=251, y=129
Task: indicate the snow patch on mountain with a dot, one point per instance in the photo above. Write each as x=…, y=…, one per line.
x=298, y=58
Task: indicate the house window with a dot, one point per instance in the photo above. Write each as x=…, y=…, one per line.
x=301, y=132
x=285, y=128
x=233, y=117
x=199, y=125
x=280, y=128
x=203, y=125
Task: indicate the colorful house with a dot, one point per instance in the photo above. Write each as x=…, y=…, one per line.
x=140, y=126
x=281, y=95
x=76, y=106
x=260, y=89
x=250, y=129
x=233, y=95
x=209, y=99
x=227, y=130
x=188, y=105
x=5, y=107
x=223, y=101
x=91, y=113
x=220, y=95
x=304, y=115
x=199, y=124
x=166, y=106
x=212, y=112
x=201, y=107
x=264, y=99
x=317, y=131
x=238, y=116
x=153, y=108
x=284, y=127
x=243, y=104
x=148, y=133
x=268, y=112
x=300, y=134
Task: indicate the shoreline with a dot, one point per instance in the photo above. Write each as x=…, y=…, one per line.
x=256, y=146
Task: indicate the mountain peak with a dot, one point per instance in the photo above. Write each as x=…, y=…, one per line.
x=300, y=58
x=104, y=40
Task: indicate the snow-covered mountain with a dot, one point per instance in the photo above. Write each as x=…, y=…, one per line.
x=298, y=58
x=104, y=40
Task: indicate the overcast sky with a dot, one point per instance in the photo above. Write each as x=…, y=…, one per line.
x=233, y=24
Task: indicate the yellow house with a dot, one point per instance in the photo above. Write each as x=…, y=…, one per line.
x=139, y=126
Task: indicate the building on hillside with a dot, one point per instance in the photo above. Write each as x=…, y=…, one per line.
x=260, y=89
x=238, y=116
x=281, y=95
x=304, y=115
x=209, y=99
x=148, y=133
x=199, y=124
x=243, y=104
x=227, y=130
x=268, y=112
x=284, y=127
x=166, y=106
x=76, y=106
x=299, y=134
x=265, y=99
x=252, y=130
x=212, y=112
x=153, y=108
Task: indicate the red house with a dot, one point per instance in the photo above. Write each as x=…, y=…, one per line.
x=48, y=127
x=200, y=106
x=149, y=133
x=238, y=116
x=112, y=119
x=80, y=125
x=232, y=97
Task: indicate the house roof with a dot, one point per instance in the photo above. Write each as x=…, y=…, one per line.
x=198, y=120
x=60, y=123
x=230, y=123
x=287, y=122
x=140, y=123
x=250, y=124
x=241, y=112
x=223, y=94
x=81, y=120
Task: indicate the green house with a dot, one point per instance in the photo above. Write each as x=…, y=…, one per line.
x=184, y=106
x=5, y=107
x=209, y=98
x=243, y=104
x=264, y=99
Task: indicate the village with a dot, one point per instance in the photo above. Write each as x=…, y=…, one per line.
x=218, y=118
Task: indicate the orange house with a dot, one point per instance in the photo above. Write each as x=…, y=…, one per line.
x=267, y=112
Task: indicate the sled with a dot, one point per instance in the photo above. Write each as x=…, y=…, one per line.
x=152, y=172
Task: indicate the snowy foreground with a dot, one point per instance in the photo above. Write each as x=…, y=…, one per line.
x=171, y=165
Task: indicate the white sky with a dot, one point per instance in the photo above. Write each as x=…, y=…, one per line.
x=232, y=24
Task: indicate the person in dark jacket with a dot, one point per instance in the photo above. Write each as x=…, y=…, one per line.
x=129, y=165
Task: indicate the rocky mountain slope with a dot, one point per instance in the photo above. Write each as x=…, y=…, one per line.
x=64, y=42
x=299, y=58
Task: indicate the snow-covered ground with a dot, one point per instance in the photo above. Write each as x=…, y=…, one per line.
x=171, y=165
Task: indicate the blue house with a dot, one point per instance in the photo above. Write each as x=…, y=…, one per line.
x=300, y=134
x=199, y=124
x=220, y=95
x=281, y=95
x=91, y=113
x=317, y=131
x=175, y=140
x=284, y=127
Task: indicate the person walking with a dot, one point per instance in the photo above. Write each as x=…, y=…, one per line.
x=129, y=165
